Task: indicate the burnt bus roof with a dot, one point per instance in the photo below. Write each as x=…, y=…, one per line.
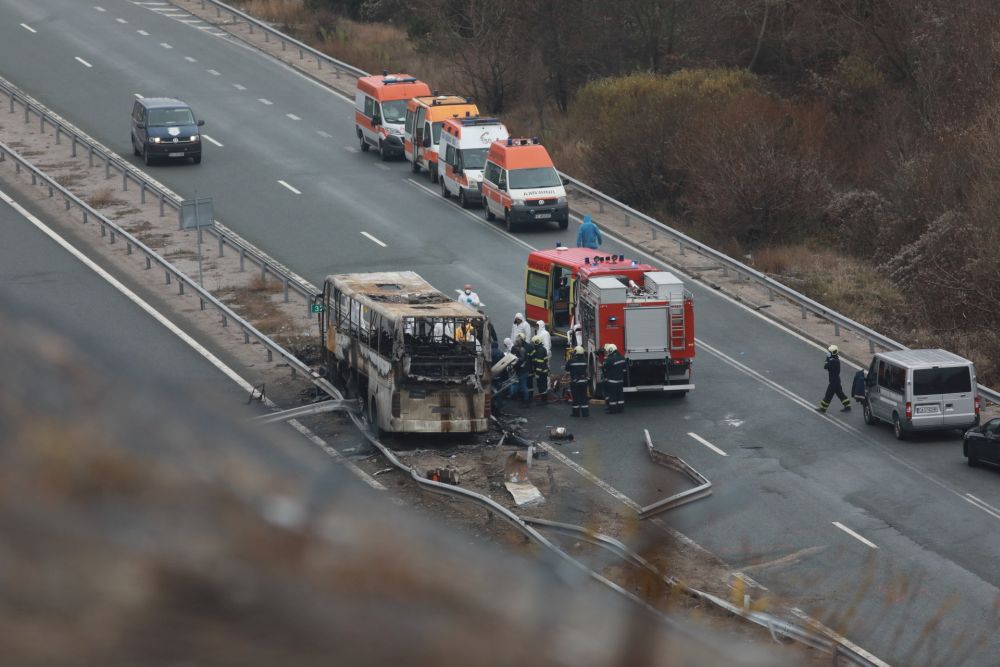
x=400, y=294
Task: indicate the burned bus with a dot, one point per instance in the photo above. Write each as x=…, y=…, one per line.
x=416, y=358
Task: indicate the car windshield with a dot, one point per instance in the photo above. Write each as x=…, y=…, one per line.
x=536, y=177
x=394, y=111
x=955, y=380
x=170, y=117
x=474, y=158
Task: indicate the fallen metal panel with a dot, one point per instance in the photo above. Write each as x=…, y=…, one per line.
x=703, y=488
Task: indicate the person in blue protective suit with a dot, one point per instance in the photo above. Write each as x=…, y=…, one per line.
x=589, y=236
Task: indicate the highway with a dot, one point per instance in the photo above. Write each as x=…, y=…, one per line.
x=848, y=523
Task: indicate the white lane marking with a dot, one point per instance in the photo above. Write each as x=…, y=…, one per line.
x=163, y=9
x=352, y=149
x=190, y=59
x=325, y=135
x=205, y=27
x=372, y=238
x=289, y=187
x=122, y=21
x=143, y=33
x=855, y=535
x=208, y=138
x=190, y=21
x=293, y=116
x=590, y=477
x=218, y=34
x=137, y=95
x=165, y=45
x=708, y=444
x=264, y=100
x=100, y=9
x=28, y=27
x=239, y=87
x=177, y=331
x=383, y=167
x=214, y=72
x=983, y=505
x=82, y=61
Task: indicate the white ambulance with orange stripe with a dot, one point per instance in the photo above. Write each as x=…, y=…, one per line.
x=462, y=155
x=521, y=185
x=380, y=110
x=422, y=131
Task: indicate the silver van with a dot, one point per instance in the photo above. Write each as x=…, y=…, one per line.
x=921, y=390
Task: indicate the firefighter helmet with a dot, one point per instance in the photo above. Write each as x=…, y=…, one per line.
x=610, y=347
x=537, y=340
x=579, y=350
x=833, y=349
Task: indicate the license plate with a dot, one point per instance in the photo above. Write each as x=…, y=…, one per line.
x=926, y=409
x=175, y=154
x=542, y=216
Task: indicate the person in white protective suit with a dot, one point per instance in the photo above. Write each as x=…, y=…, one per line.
x=546, y=337
x=520, y=327
x=468, y=297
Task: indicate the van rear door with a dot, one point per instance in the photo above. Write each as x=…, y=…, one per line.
x=944, y=396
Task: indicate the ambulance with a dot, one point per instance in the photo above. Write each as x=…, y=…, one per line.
x=464, y=144
x=521, y=185
x=422, y=131
x=380, y=110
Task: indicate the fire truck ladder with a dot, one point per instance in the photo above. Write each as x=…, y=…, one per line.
x=677, y=330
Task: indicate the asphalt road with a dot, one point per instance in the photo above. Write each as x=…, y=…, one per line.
x=920, y=568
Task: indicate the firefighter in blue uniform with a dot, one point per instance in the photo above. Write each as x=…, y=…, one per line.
x=613, y=370
x=832, y=367
x=578, y=381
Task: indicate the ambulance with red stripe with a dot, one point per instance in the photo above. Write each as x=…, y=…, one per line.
x=462, y=156
x=521, y=185
x=422, y=131
x=380, y=110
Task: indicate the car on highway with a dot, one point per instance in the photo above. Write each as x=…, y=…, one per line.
x=982, y=443
x=165, y=128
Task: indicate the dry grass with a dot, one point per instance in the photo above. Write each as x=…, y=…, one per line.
x=290, y=13
x=261, y=285
x=103, y=198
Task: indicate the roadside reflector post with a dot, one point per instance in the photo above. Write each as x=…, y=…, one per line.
x=803, y=312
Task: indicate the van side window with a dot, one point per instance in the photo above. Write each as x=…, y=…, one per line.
x=369, y=106
x=408, y=126
x=502, y=182
x=449, y=155
x=492, y=173
x=891, y=377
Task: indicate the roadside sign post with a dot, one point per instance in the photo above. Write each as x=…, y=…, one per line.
x=195, y=214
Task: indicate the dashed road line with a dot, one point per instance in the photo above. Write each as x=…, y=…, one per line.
x=143, y=33
x=293, y=116
x=83, y=62
x=855, y=535
x=100, y=9
x=122, y=21
x=211, y=140
x=373, y=239
x=28, y=27
x=298, y=192
x=325, y=135
x=165, y=45
x=190, y=59
x=708, y=444
x=264, y=100
x=239, y=87
x=983, y=505
x=214, y=72
x=352, y=149
x=383, y=167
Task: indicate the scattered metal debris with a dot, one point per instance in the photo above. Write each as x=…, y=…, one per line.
x=703, y=488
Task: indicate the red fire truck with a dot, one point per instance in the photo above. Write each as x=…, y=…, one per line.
x=644, y=311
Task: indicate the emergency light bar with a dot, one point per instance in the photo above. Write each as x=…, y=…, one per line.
x=522, y=141
x=478, y=120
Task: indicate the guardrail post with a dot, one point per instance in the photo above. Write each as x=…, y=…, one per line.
x=85, y=216
x=282, y=48
x=628, y=220
x=73, y=149
x=180, y=284
x=50, y=187
x=41, y=122
x=270, y=357
x=17, y=167
x=128, y=247
x=149, y=262
x=218, y=13
x=836, y=329
x=263, y=272
x=246, y=337
x=203, y=4
x=803, y=311
x=107, y=167
x=225, y=320
x=167, y=274
x=201, y=303
x=68, y=203
x=222, y=241
x=250, y=26
x=680, y=248
x=112, y=235
x=12, y=104
x=301, y=55
x=26, y=118
x=243, y=254
x=284, y=279
x=180, y=220
x=142, y=192
x=58, y=132
x=267, y=37
x=770, y=294
x=161, y=204
x=104, y=230
x=90, y=156
x=871, y=346
x=725, y=270
x=653, y=229
x=124, y=181
x=319, y=63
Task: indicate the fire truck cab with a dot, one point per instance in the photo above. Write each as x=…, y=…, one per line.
x=464, y=144
x=422, y=129
x=647, y=313
x=380, y=110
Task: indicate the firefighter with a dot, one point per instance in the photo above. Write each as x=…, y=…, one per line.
x=832, y=367
x=578, y=379
x=523, y=366
x=540, y=366
x=613, y=370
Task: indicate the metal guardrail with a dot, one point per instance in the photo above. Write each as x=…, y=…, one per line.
x=96, y=152
x=113, y=231
x=684, y=242
x=702, y=488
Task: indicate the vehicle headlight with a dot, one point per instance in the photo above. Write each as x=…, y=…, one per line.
x=195, y=138
x=393, y=131
x=155, y=140
x=517, y=202
x=560, y=200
